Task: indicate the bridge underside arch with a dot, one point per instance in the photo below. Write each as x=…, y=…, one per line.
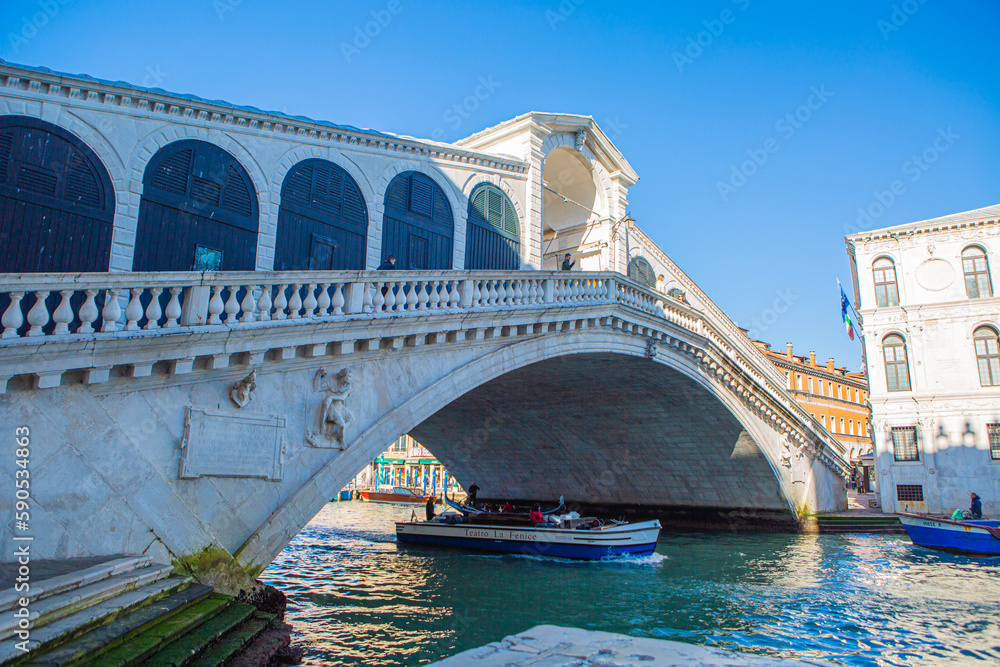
x=604, y=429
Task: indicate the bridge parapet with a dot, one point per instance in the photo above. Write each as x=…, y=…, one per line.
x=54, y=324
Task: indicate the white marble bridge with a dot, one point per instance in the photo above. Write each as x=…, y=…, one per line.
x=146, y=437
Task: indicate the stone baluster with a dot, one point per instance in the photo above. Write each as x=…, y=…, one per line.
x=477, y=294
x=215, y=305
x=63, y=314
x=232, y=307
x=249, y=304
x=454, y=298
x=38, y=316
x=518, y=292
x=88, y=313
x=264, y=304
x=323, y=300
x=280, y=302
x=12, y=318
x=112, y=310
x=412, y=297
x=310, y=302
x=393, y=296
x=378, y=298
x=532, y=291
x=367, y=293
x=134, y=311
x=153, y=310
x=337, y=302
x=493, y=297
x=433, y=296
x=423, y=297
x=173, y=310
x=295, y=303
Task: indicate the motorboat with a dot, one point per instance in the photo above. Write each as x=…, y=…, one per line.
x=564, y=536
x=971, y=537
x=396, y=494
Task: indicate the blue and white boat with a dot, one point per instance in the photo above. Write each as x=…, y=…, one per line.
x=577, y=538
x=968, y=537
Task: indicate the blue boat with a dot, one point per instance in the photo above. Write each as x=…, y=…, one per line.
x=967, y=537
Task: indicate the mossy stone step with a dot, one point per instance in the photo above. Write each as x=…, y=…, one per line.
x=235, y=640
x=154, y=636
x=182, y=650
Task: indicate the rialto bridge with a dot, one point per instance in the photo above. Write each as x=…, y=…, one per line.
x=171, y=410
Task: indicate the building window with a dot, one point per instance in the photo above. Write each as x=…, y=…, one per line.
x=842, y=425
x=993, y=433
x=911, y=492
x=850, y=427
x=799, y=381
x=987, y=356
x=904, y=443
x=886, y=293
x=897, y=374
x=977, y=273
x=788, y=379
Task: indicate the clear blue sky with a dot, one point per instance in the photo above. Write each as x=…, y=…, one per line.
x=889, y=84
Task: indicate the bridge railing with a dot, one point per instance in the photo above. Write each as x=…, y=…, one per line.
x=80, y=304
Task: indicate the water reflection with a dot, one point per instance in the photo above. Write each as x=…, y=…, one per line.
x=354, y=598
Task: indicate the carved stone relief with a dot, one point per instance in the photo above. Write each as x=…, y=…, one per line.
x=333, y=417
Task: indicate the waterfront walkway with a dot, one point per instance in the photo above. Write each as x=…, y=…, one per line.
x=553, y=645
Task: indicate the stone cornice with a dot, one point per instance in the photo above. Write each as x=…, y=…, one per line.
x=43, y=86
x=931, y=228
x=818, y=371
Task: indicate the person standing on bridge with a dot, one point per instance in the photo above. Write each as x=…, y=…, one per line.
x=389, y=264
x=568, y=265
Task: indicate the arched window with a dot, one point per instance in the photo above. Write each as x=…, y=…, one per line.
x=886, y=293
x=897, y=372
x=493, y=231
x=641, y=271
x=417, y=225
x=198, y=211
x=57, y=203
x=977, y=273
x=987, y=356
x=322, y=220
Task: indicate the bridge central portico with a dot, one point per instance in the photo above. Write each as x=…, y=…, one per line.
x=150, y=433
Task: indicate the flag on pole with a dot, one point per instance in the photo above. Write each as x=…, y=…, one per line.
x=845, y=304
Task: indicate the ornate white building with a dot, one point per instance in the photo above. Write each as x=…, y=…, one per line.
x=925, y=292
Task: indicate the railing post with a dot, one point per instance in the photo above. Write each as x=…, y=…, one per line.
x=354, y=294
x=549, y=291
x=465, y=292
x=194, y=310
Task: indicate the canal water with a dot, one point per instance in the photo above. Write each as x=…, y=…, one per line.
x=355, y=598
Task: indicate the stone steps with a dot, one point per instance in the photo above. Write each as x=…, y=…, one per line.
x=214, y=641
x=861, y=523
x=62, y=630
x=54, y=606
x=64, y=582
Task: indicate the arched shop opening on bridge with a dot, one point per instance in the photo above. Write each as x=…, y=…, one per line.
x=198, y=211
x=418, y=225
x=322, y=220
x=57, y=203
x=493, y=231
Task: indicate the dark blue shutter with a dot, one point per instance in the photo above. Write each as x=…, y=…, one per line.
x=493, y=231
x=418, y=226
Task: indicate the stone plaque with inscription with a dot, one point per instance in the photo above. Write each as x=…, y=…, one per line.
x=229, y=445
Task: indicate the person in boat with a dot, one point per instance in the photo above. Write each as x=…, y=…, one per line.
x=430, y=508
x=473, y=490
x=976, y=508
x=508, y=508
x=536, y=516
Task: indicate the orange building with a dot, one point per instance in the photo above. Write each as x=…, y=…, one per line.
x=838, y=400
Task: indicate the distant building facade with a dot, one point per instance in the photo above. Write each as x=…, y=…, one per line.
x=925, y=293
x=407, y=463
x=835, y=398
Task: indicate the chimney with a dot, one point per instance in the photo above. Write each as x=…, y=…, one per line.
x=788, y=351
x=829, y=365
x=812, y=358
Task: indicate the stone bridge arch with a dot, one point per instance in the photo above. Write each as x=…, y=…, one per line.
x=755, y=450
